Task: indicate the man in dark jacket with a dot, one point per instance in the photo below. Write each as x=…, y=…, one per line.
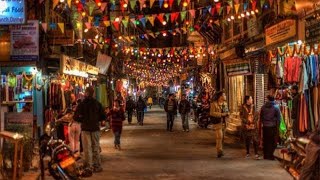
x=130, y=106
x=170, y=107
x=270, y=118
x=90, y=113
x=141, y=105
x=184, y=109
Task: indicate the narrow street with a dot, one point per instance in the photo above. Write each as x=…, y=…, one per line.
x=150, y=152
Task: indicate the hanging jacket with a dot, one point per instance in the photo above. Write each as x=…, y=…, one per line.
x=292, y=69
x=270, y=114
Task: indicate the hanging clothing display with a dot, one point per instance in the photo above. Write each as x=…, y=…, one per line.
x=292, y=69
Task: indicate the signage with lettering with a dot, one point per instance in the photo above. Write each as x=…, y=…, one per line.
x=313, y=29
x=12, y=12
x=238, y=68
x=252, y=27
x=19, y=118
x=56, y=37
x=74, y=67
x=281, y=31
x=25, y=41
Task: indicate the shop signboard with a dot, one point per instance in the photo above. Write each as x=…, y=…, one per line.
x=280, y=32
x=56, y=37
x=25, y=42
x=238, y=68
x=20, y=122
x=12, y=12
x=75, y=67
x=313, y=29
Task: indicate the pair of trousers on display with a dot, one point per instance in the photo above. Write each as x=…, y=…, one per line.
x=140, y=116
x=91, y=148
x=185, y=121
x=74, y=132
x=269, y=142
x=170, y=120
x=219, y=132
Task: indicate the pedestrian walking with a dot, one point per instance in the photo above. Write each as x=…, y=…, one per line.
x=270, y=118
x=184, y=110
x=140, y=107
x=150, y=102
x=170, y=107
x=195, y=109
x=249, y=126
x=130, y=106
x=116, y=115
x=90, y=113
x=218, y=113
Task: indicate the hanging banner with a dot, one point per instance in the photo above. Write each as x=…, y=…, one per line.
x=103, y=62
x=12, y=12
x=71, y=66
x=25, y=42
x=281, y=31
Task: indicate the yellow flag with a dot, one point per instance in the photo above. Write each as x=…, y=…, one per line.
x=69, y=3
x=151, y=3
x=236, y=7
x=90, y=19
x=106, y=23
x=55, y=3
x=151, y=19
x=61, y=27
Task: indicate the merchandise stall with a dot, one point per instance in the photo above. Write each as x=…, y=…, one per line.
x=18, y=96
x=66, y=87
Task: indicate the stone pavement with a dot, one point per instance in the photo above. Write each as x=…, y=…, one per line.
x=149, y=152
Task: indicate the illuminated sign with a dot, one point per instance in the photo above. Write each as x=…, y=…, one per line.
x=74, y=67
x=12, y=12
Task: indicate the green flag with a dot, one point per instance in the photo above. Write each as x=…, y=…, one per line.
x=183, y=15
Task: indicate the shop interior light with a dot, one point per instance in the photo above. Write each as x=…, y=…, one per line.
x=257, y=11
x=247, y=13
x=185, y=4
x=125, y=5
x=239, y=17
x=120, y=37
x=165, y=5
x=216, y=0
x=242, y=15
x=229, y=19
x=164, y=34
x=117, y=19
x=232, y=17
x=164, y=23
x=83, y=13
x=62, y=1
x=252, y=12
x=97, y=36
x=86, y=30
x=77, y=1
x=99, y=4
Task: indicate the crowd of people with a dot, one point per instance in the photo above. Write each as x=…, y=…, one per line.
x=87, y=116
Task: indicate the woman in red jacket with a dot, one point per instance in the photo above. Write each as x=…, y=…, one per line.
x=116, y=115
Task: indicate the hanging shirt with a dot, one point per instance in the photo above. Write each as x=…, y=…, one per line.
x=303, y=84
x=292, y=69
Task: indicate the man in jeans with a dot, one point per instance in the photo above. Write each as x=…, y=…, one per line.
x=90, y=113
x=130, y=106
x=184, y=109
x=170, y=107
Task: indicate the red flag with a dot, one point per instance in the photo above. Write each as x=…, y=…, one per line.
x=160, y=17
x=254, y=4
x=116, y=25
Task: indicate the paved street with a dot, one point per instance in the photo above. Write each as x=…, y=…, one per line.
x=150, y=152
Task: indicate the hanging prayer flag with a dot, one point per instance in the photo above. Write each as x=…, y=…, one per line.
x=151, y=3
x=192, y=13
x=125, y=21
x=254, y=4
x=271, y=3
x=236, y=7
x=44, y=27
x=183, y=15
x=116, y=25
x=262, y=3
x=61, y=27
x=245, y=6
x=106, y=23
x=55, y=3
x=228, y=9
x=103, y=6
x=160, y=3
x=133, y=4
x=143, y=21
x=151, y=19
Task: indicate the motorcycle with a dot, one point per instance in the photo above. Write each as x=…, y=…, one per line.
x=204, y=118
x=57, y=157
x=293, y=155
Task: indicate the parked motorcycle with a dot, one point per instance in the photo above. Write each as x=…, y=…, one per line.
x=57, y=157
x=204, y=117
